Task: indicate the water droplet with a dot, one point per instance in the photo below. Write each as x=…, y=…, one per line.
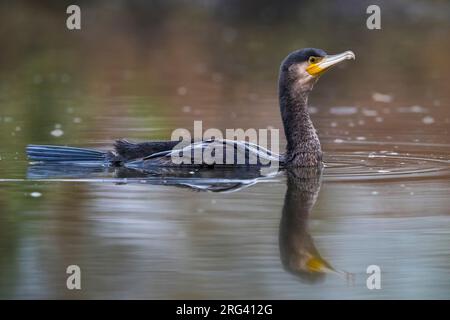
x=418, y=109
x=338, y=140
x=313, y=110
x=383, y=171
x=360, y=138
x=182, y=91
x=186, y=109
x=374, y=193
x=428, y=120
x=412, y=109
x=57, y=133
x=343, y=110
x=36, y=194
x=370, y=113
x=380, y=97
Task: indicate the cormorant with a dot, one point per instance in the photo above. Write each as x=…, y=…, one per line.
x=299, y=71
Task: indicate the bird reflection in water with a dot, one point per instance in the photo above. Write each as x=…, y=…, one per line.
x=298, y=252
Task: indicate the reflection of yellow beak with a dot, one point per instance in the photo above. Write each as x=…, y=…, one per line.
x=317, y=264
x=318, y=68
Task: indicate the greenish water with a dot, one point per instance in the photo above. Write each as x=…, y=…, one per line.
x=139, y=72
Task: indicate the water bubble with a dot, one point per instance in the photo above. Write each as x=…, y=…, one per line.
x=333, y=124
x=428, y=120
x=374, y=193
x=379, y=119
x=412, y=109
x=313, y=110
x=186, y=109
x=182, y=91
x=345, y=110
x=370, y=113
x=57, y=133
x=380, y=97
x=35, y=194
x=338, y=140
x=77, y=120
x=383, y=171
x=360, y=138
x=418, y=109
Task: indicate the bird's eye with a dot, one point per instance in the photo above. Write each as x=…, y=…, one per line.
x=312, y=59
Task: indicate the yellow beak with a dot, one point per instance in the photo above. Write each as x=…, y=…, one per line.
x=318, y=68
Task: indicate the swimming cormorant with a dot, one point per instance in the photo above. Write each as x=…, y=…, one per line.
x=299, y=71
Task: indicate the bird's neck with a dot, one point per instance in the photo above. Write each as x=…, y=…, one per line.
x=303, y=145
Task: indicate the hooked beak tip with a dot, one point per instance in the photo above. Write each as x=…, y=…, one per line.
x=350, y=55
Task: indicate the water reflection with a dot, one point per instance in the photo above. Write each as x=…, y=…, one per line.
x=298, y=252
x=225, y=179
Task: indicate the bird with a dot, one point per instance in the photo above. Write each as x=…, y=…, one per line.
x=298, y=74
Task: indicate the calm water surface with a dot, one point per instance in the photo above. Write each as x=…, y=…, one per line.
x=382, y=199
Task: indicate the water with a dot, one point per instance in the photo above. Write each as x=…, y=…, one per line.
x=383, y=121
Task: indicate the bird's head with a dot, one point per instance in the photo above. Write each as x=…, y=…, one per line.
x=303, y=67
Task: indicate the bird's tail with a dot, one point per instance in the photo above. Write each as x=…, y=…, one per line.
x=64, y=154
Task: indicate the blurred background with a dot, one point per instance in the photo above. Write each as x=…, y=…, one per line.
x=139, y=69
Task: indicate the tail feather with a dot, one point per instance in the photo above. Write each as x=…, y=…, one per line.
x=62, y=153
